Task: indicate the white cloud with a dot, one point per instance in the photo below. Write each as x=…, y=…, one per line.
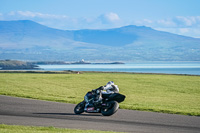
x=166, y=23
x=29, y=15
x=109, y=18
x=187, y=21
x=1, y=16
x=188, y=26
x=112, y=17
x=184, y=30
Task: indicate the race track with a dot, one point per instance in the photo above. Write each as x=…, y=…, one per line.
x=19, y=111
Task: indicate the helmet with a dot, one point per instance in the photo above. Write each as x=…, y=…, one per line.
x=110, y=83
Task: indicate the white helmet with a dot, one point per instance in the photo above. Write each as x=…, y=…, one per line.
x=110, y=83
x=111, y=87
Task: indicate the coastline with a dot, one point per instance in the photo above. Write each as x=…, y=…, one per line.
x=81, y=72
x=178, y=68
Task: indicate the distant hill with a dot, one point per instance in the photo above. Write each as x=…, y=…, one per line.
x=16, y=65
x=28, y=40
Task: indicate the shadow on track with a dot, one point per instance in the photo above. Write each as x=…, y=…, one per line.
x=68, y=114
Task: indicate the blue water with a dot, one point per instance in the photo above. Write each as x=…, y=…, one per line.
x=192, y=68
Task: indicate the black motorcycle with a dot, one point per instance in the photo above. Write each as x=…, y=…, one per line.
x=107, y=106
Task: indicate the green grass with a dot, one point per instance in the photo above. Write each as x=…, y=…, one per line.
x=177, y=94
x=32, y=129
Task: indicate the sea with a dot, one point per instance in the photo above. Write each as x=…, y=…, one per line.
x=190, y=68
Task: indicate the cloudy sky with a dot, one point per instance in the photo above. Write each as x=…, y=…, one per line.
x=176, y=16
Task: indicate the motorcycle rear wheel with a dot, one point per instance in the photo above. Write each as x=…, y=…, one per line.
x=111, y=110
x=79, y=108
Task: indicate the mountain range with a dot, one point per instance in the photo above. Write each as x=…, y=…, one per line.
x=28, y=40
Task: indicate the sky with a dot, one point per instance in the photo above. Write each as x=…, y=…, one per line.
x=175, y=16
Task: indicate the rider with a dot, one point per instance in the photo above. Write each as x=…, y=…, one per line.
x=95, y=96
x=110, y=88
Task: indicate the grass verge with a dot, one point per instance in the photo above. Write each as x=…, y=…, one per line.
x=33, y=129
x=177, y=94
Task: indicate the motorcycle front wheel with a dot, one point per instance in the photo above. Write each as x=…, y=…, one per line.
x=111, y=109
x=79, y=108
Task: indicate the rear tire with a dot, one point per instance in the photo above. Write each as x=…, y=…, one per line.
x=79, y=108
x=110, y=111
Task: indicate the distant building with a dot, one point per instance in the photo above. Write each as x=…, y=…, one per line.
x=81, y=62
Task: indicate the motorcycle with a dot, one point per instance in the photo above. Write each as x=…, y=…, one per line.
x=107, y=106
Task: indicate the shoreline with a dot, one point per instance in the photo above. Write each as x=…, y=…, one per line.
x=81, y=72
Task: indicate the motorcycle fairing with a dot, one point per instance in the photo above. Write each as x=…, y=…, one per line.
x=114, y=97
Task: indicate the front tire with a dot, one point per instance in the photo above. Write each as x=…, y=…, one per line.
x=111, y=110
x=79, y=108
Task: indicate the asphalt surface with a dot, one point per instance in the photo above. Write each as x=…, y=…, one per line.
x=20, y=111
